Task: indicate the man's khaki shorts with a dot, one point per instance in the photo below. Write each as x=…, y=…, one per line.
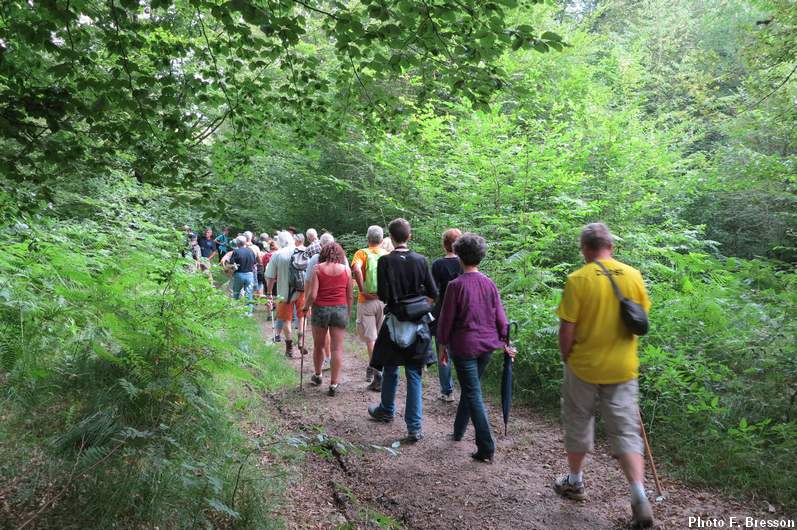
x=369, y=319
x=618, y=407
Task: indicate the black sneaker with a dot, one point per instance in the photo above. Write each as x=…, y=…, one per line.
x=277, y=339
x=369, y=374
x=333, y=390
x=315, y=380
x=563, y=487
x=415, y=437
x=377, y=414
x=453, y=438
x=487, y=458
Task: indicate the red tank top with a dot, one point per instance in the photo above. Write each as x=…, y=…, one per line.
x=331, y=289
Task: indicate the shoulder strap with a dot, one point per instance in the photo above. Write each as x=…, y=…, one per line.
x=617, y=292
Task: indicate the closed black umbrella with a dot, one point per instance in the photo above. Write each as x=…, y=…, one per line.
x=506, y=379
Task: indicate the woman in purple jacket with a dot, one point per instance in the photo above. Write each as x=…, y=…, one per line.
x=472, y=325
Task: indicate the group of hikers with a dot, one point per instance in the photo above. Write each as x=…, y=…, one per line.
x=412, y=315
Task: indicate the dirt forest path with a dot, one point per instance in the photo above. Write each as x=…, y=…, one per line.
x=435, y=484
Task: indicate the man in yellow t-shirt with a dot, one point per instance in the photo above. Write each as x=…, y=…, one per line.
x=601, y=367
x=370, y=310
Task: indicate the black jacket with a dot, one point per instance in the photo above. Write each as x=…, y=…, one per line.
x=402, y=275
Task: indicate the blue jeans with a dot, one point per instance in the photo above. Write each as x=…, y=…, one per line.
x=444, y=373
x=413, y=409
x=471, y=404
x=245, y=281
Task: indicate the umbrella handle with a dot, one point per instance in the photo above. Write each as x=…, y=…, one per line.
x=509, y=327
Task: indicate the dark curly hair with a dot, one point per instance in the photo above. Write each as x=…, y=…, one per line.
x=471, y=248
x=332, y=253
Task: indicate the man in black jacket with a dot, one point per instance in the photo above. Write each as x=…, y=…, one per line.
x=402, y=275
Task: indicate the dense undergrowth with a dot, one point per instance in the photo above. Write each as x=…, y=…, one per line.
x=116, y=364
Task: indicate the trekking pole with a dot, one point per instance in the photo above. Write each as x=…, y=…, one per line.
x=650, y=456
x=273, y=322
x=301, y=355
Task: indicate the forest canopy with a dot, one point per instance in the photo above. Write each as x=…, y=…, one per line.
x=121, y=120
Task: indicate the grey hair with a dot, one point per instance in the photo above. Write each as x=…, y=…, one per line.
x=375, y=235
x=326, y=239
x=284, y=239
x=299, y=238
x=264, y=235
x=311, y=234
x=596, y=236
x=240, y=241
x=248, y=235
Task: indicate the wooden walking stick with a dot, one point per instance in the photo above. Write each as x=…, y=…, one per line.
x=302, y=353
x=650, y=456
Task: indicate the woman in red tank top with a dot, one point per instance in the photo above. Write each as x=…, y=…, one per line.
x=331, y=294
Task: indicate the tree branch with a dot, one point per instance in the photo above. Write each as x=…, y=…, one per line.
x=317, y=10
x=786, y=80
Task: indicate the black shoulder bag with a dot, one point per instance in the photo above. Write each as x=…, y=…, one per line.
x=633, y=314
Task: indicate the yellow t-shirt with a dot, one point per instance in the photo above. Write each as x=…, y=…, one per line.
x=361, y=257
x=604, y=351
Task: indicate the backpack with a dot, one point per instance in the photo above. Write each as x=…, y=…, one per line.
x=370, y=269
x=297, y=267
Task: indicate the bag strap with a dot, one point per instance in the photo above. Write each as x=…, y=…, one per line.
x=617, y=291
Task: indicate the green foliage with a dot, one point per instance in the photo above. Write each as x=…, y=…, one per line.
x=111, y=353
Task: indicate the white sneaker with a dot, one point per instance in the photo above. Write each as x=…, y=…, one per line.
x=447, y=398
x=327, y=365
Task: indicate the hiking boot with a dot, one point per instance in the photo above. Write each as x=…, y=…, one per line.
x=289, y=349
x=563, y=487
x=369, y=374
x=315, y=380
x=376, y=384
x=377, y=414
x=447, y=398
x=333, y=390
x=643, y=514
x=326, y=365
x=414, y=437
x=487, y=458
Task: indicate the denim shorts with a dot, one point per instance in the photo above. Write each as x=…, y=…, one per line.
x=332, y=316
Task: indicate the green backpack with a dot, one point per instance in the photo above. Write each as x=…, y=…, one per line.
x=370, y=269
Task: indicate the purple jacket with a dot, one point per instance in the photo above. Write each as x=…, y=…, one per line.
x=472, y=320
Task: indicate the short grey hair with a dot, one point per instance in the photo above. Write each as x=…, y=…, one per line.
x=240, y=241
x=264, y=235
x=248, y=235
x=284, y=239
x=375, y=235
x=596, y=236
x=326, y=239
x=299, y=238
x=311, y=234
